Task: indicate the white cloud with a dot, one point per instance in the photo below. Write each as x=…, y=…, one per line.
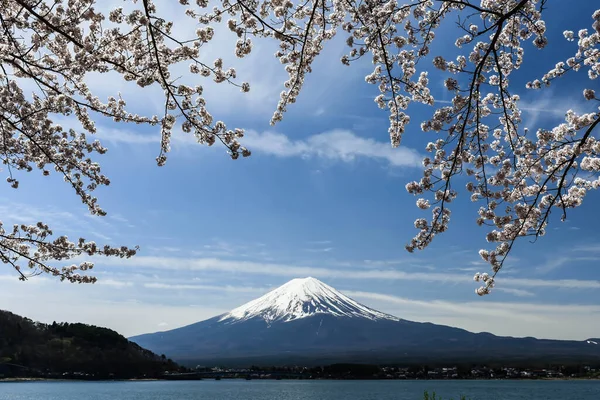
x=559, y=262
x=337, y=145
x=320, y=111
x=21, y=213
x=100, y=235
x=591, y=248
x=516, y=292
x=14, y=278
x=99, y=304
x=235, y=289
x=323, y=250
x=550, y=321
x=114, y=283
x=555, y=283
x=294, y=271
x=168, y=249
x=477, y=263
x=548, y=106
x=437, y=305
x=65, y=222
x=114, y=135
x=320, y=242
x=383, y=263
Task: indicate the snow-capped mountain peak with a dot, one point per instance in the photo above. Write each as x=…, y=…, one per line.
x=301, y=298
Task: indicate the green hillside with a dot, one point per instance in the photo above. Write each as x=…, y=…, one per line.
x=34, y=349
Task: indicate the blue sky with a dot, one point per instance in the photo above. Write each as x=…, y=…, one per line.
x=322, y=195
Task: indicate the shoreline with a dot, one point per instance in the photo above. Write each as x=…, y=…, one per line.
x=16, y=380
x=77, y=380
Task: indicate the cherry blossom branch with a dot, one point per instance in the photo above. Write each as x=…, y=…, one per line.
x=516, y=175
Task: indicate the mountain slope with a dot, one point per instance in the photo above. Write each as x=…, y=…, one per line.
x=30, y=348
x=306, y=319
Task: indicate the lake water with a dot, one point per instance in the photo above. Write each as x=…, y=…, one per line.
x=299, y=390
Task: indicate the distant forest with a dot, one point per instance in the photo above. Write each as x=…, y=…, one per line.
x=29, y=348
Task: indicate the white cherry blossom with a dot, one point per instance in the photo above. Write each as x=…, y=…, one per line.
x=517, y=176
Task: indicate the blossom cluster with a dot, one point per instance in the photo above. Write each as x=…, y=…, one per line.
x=517, y=176
x=29, y=248
x=53, y=45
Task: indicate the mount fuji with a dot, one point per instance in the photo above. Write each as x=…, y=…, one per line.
x=305, y=321
x=303, y=298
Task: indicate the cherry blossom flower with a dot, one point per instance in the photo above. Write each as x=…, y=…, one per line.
x=517, y=176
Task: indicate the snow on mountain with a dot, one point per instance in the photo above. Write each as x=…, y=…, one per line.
x=301, y=298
